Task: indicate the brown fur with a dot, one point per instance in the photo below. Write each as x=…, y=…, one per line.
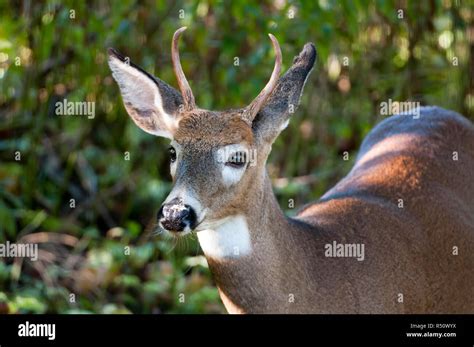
x=408, y=250
x=223, y=128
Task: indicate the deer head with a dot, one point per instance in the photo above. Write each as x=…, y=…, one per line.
x=217, y=157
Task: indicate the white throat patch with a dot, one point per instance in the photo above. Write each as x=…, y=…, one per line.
x=231, y=239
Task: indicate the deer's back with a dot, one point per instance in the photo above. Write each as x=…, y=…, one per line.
x=410, y=200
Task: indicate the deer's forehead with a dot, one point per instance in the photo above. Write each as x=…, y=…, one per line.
x=213, y=129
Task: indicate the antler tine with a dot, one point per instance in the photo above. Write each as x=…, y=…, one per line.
x=252, y=110
x=188, y=97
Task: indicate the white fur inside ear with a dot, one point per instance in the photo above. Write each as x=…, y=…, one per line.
x=284, y=125
x=231, y=239
x=142, y=93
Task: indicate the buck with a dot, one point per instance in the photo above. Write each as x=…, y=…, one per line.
x=408, y=202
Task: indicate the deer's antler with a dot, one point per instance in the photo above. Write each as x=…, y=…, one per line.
x=252, y=109
x=188, y=97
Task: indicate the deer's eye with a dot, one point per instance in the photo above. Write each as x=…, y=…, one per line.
x=172, y=152
x=237, y=160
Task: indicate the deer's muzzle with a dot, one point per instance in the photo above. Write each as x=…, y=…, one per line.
x=176, y=216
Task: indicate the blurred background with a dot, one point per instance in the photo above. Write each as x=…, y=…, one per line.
x=87, y=190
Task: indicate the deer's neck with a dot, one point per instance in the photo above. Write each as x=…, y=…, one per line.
x=247, y=252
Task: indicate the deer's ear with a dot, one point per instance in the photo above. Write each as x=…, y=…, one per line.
x=151, y=103
x=285, y=98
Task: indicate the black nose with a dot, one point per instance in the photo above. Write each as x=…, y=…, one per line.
x=177, y=216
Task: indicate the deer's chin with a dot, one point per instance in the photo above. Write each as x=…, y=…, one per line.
x=176, y=234
x=210, y=224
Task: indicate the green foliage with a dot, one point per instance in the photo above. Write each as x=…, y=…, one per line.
x=54, y=50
